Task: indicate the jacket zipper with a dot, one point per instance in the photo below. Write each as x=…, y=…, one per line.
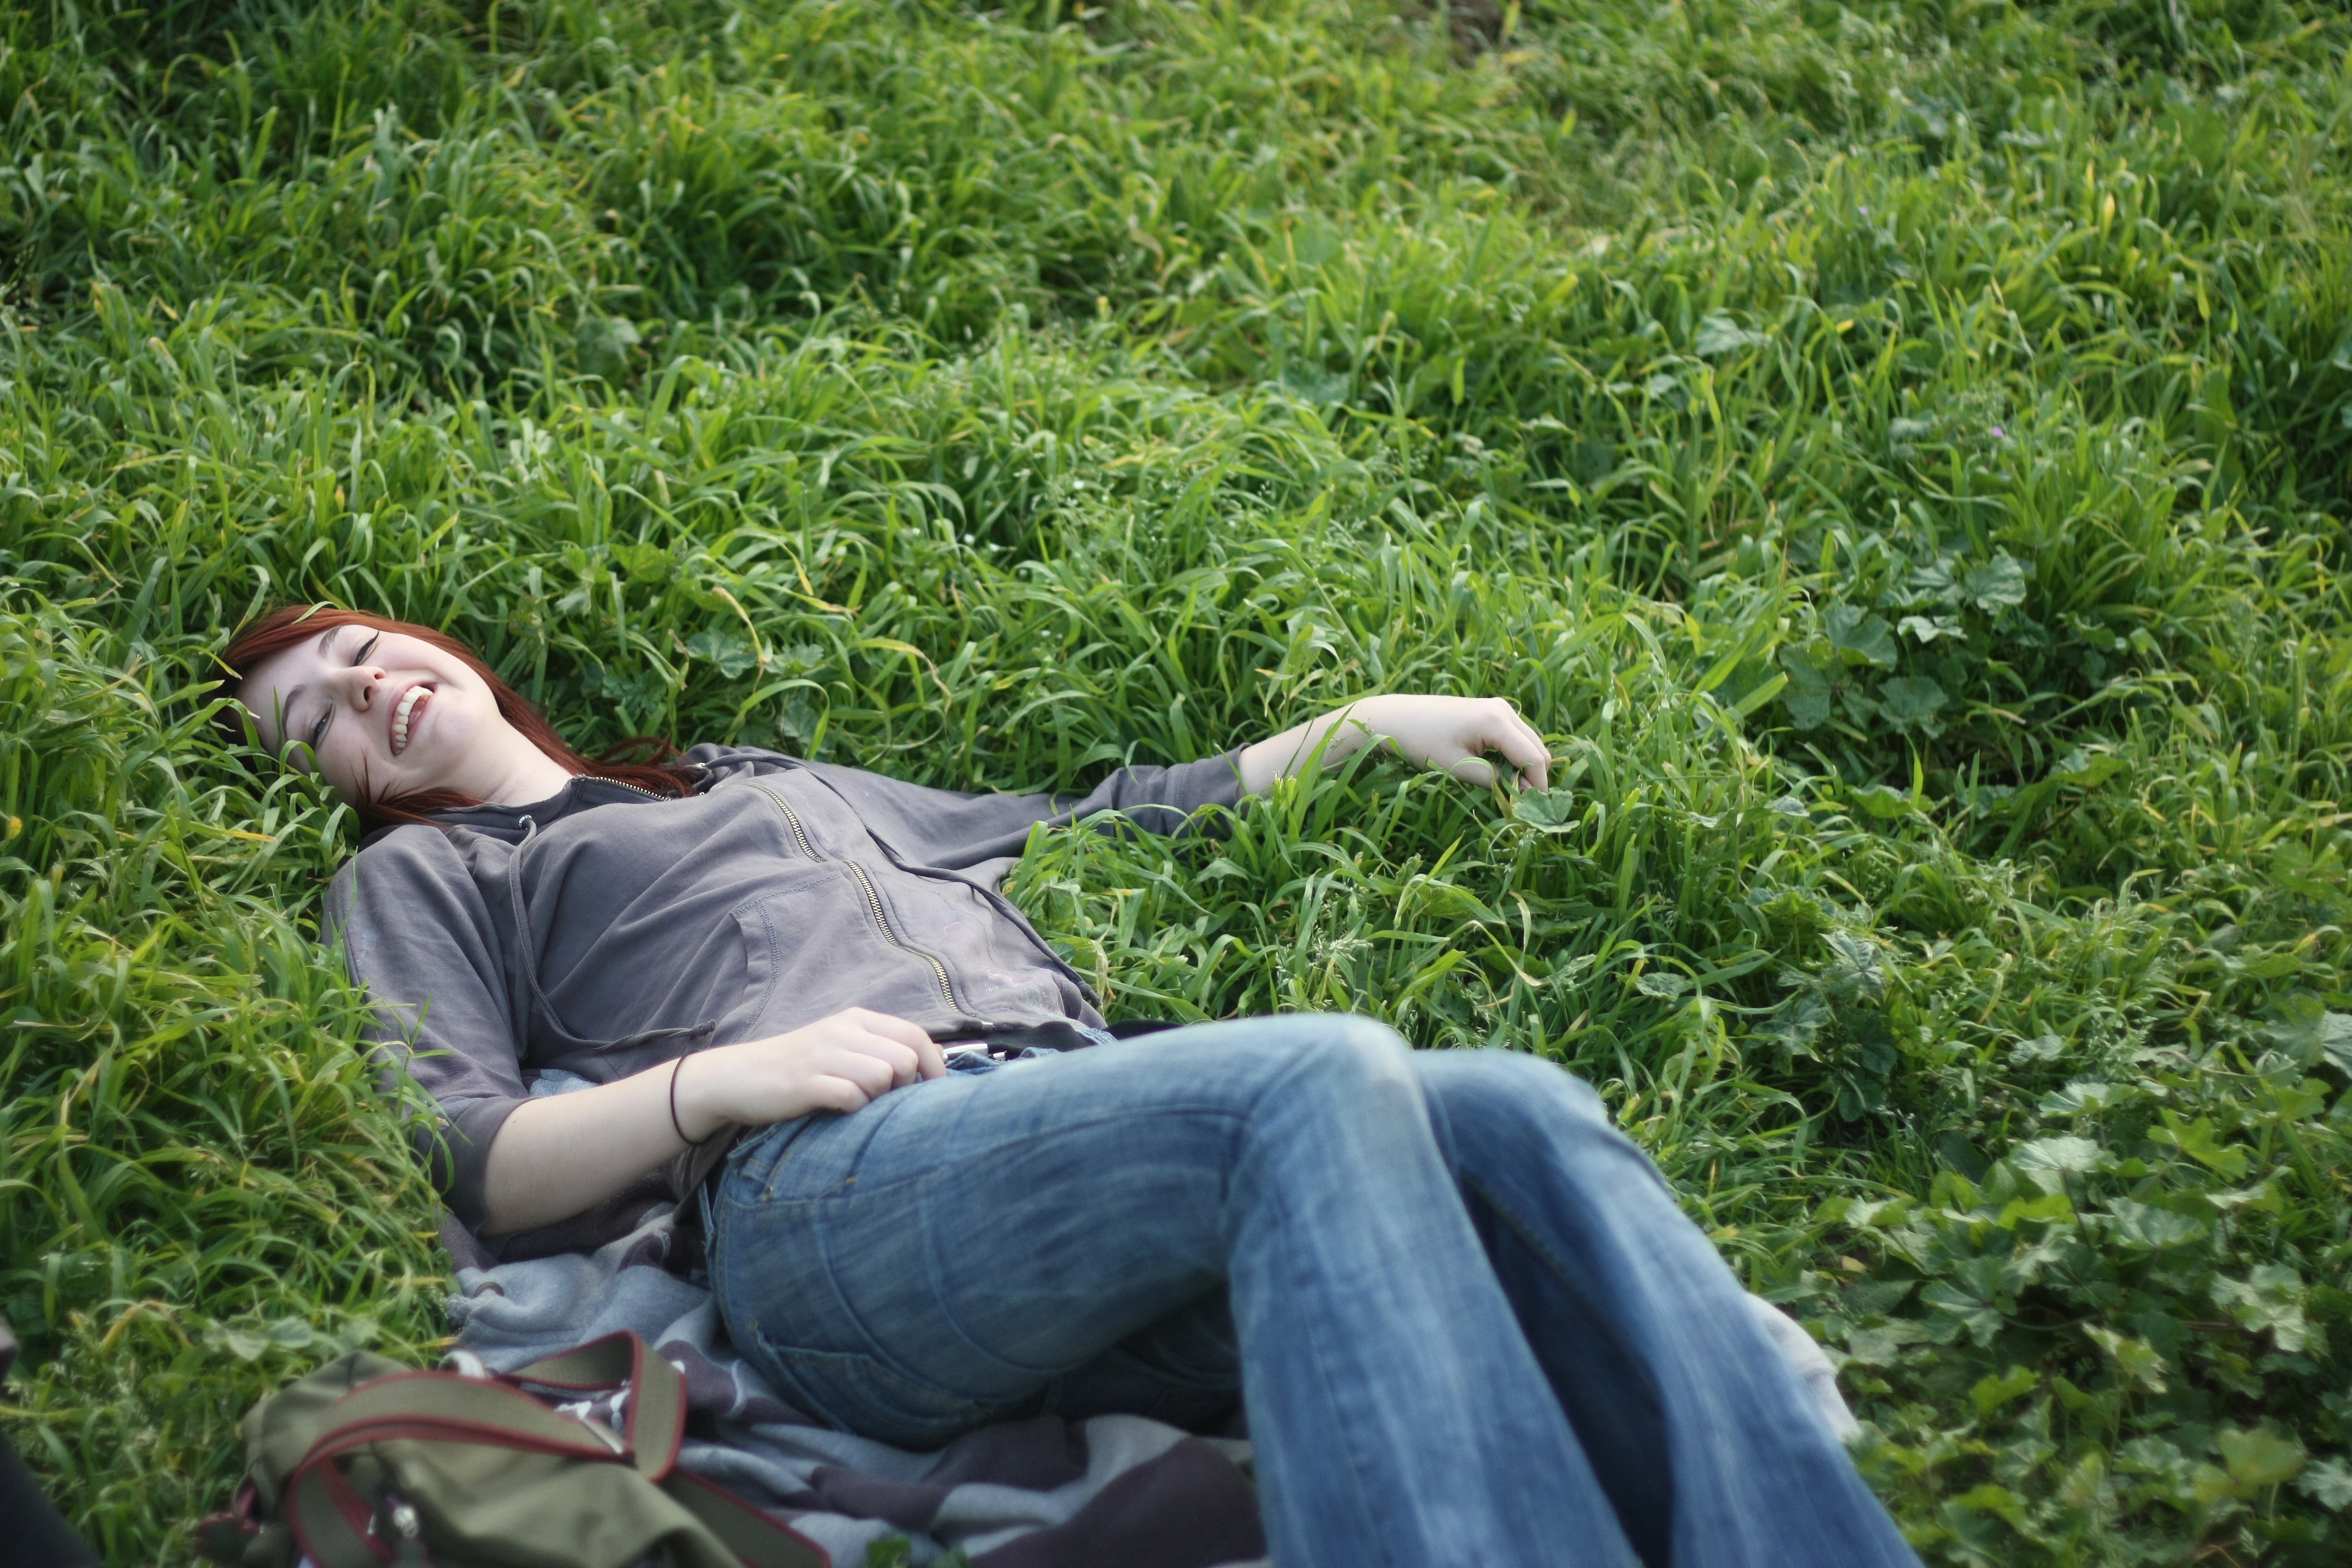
x=873, y=901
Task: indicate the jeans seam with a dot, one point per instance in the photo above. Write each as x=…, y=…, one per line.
x=1316, y=1337
x=1552, y=1260
x=1315, y=1327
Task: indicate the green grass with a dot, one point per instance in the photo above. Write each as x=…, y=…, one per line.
x=1901, y=453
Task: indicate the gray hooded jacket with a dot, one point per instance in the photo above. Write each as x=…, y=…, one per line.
x=604, y=930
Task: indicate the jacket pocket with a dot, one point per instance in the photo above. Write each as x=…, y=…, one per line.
x=815, y=946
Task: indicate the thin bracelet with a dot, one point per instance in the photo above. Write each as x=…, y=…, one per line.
x=675, y=1124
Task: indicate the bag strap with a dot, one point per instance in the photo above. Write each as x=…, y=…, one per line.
x=336, y=1527
x=754, y=1537
x=654, y=1412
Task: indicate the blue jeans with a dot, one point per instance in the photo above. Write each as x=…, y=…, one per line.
x=1472, y=1326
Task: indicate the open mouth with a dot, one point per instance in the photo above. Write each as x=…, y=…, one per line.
x=404, y=715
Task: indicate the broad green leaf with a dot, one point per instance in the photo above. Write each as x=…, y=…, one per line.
x=2083, y=1097
x=645, y=563
x=1719, y=334
x=2047, y=1162
x=2319, y=1034
x=1954, y=1313
x=2261, y=1458
x=2268, y=1300
x=2136, y=1361
x=1927, y=628
x=2198, y=1141
x=2328, y=1482
x=1994, y=1499
x=244, y=1342
x=1885, y=803
x=2086, y=769
x=728, y=651
x=2050, y=1208
x=2145, y=1227
x=1809, y=693
x=603, y=343
x=1991, y=1392
x=1883, y=1345
x=1875, y=1298
x=1550, y=810
x=1859, y=637
x=1997, y=584
x=1912, y=702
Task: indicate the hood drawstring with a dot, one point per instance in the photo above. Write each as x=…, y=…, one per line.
x=523, y=983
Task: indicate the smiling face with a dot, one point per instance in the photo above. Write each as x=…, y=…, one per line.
x=379, y=715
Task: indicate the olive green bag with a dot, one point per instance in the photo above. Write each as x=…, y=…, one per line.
x=366, y=1463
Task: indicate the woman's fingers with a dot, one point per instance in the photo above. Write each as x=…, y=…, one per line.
x=884, y=1025
x=866, y=1068
x=838, y=1094
x=930, y=1061
x=905, y=1065
x=1525, y=749
x=1493, y=725
x=933, y=1060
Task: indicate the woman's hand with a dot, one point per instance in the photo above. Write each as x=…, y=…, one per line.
x=1449, y=733
x=841, y=1063
x=554, y=1157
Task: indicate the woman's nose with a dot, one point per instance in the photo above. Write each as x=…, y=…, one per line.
x=357, y=684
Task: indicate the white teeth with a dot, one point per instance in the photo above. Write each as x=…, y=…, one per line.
x=408, y=701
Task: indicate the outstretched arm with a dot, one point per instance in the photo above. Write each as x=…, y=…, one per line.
x=1449, y=733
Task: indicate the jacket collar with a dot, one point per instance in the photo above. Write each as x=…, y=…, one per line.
x=507, y=822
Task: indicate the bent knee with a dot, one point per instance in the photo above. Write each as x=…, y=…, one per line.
x=1339, y=1054
x=1489, y=1097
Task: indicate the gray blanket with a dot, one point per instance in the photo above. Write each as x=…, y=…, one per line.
x=1041, y=1494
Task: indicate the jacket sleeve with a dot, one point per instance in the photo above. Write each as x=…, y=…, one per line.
x=419, y=938
x=957, y=832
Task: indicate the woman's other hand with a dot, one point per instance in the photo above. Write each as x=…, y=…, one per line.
x=1452, y=734
x=841, y=1063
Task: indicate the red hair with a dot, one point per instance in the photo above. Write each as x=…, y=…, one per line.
x=291, y=625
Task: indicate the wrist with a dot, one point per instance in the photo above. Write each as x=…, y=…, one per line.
x=1340, y=733
x=695, y=1109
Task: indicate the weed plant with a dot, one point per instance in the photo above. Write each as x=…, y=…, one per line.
x=1899, y=453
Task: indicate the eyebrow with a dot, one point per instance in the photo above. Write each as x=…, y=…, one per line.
x=285, y=704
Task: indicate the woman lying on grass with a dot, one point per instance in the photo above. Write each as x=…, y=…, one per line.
x=1472, y=1326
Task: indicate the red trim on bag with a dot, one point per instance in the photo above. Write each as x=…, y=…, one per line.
x=432, y=1428
x=762, y=1515
x=349, y=1503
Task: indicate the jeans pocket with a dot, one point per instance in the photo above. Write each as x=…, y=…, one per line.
x=856, y=1393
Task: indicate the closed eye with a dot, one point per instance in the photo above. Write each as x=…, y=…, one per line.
x=319, y=730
